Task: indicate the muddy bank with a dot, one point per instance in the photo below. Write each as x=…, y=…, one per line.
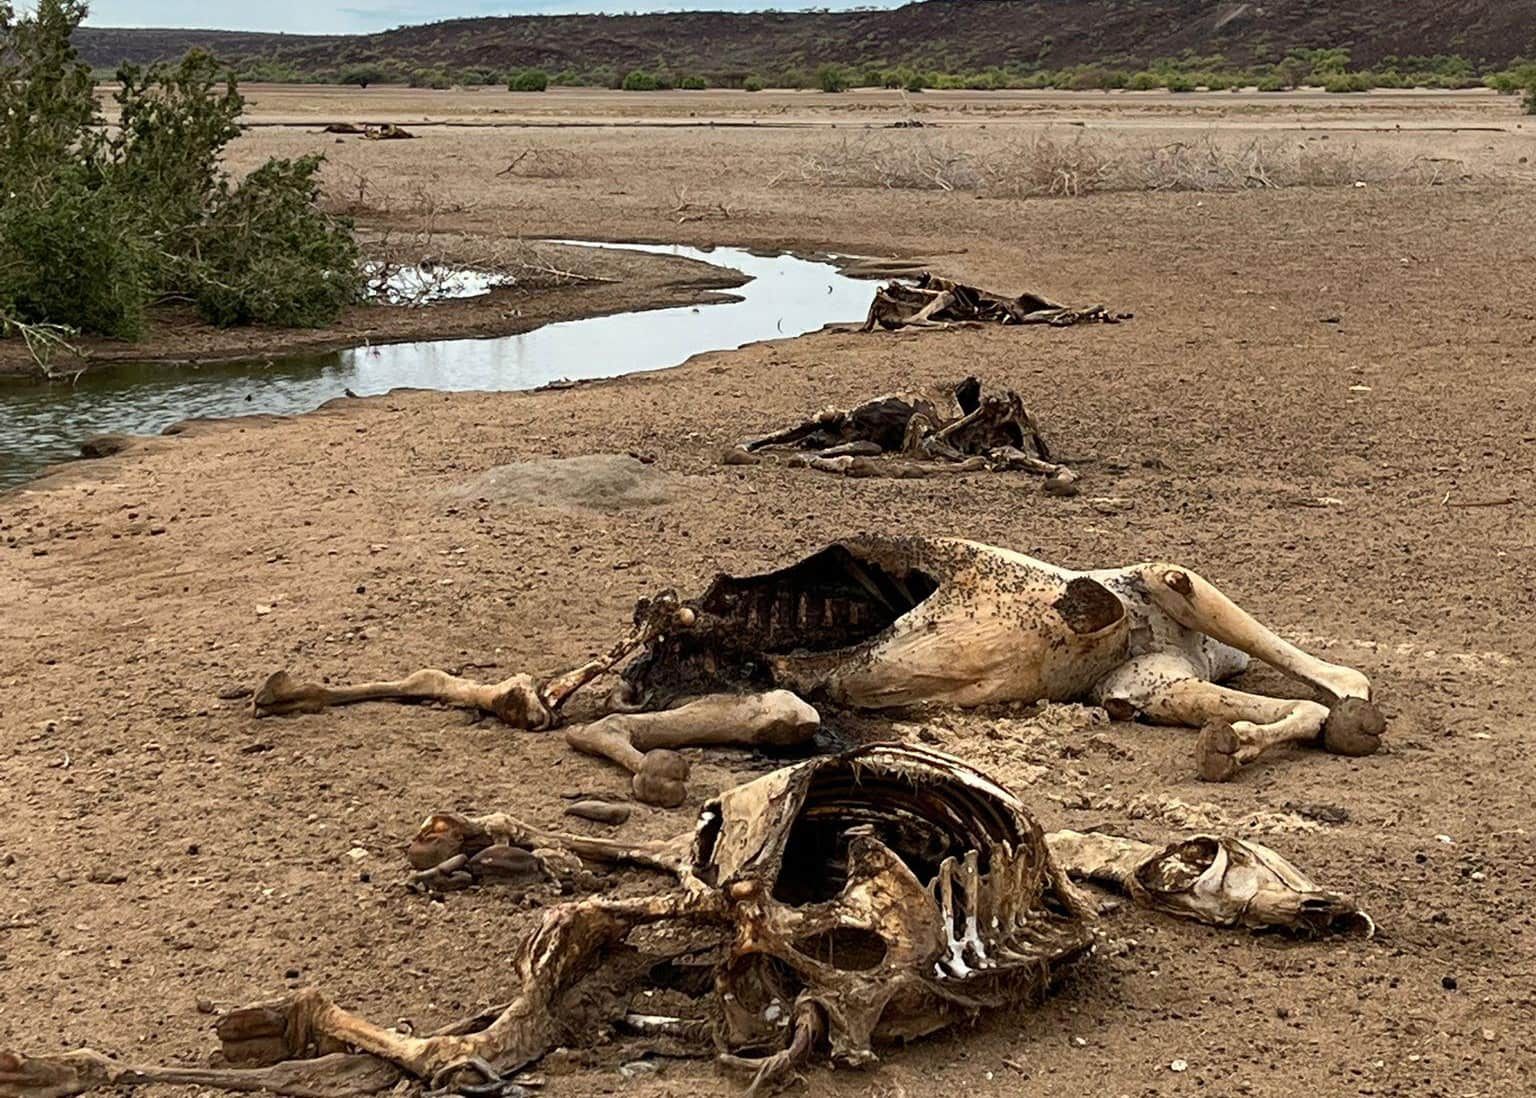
x=620, y=282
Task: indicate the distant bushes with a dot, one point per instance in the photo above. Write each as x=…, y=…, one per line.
x=363, y=75
x=832, y=78
x=752, y=84
x=1331, y=69
x=528, y=80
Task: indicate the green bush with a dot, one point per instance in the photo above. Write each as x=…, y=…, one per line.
x=436, y=79
x=1340, y=83
x=1179, y=82
x=528, y=80
x=1144, y=81
x=270, y=256
x=71, y=254
x=832, y=78
x=362, y=75
x=1272, y=84
x=752, y=84
x=692, y=83
x=640, y=81
x=94, y=229
x=1530, y=99
x=916, y=82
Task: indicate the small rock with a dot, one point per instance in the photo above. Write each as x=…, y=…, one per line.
x=106, y=877
x=291, y=974
x=637, y=1069
x=1062, y=485
x=357, y=853
x=256, y=748
x=1490, y=1035
x=262, y=609
x=1179, y=1065
x=1448, y=982
x=205, y=1006
x=234, y=693
x=738, y=456
x=193, y=849
x=602, y=812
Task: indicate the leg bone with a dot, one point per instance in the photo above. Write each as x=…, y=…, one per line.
x=520, y=701
x=643, y=743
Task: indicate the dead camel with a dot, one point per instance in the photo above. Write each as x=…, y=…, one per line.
x=882, y=623
x=955, y=430
x=875, y=896
x=933, y=302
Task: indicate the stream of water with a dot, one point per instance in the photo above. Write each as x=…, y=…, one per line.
x=45, y=422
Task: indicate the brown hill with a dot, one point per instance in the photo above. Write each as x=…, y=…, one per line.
x=951, y=35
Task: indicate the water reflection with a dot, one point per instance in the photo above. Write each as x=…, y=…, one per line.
x=786, y=296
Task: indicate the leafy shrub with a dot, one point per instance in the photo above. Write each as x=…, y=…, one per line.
x=692, y=83
x=640, y=81
x=436, y=79
x=916, y=82
x=270, y=256
x=1144, y=81
x=71, y=255
x=1340, y=83
x=362, y=75
x=1179, y=82
x=1272, y=84
x=528, y=80
x=752, y=84
x=832, y=78
x=1530, y=99
x=92, y=229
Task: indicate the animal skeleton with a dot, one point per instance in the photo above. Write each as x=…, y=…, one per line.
x=930, y=301
x=882, y=623
x=958, y=430
x=877, y=895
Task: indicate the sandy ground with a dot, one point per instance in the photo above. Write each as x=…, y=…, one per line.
x=1364, y=345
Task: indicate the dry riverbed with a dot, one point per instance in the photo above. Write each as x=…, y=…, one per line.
x=1322, y=404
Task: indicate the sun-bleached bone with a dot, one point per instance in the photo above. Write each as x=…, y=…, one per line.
x=645, y=743
x=519, y=701
x=877, y=895
x=1217, y=880
x=876, y=623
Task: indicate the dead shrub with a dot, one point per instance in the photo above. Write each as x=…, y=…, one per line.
x=1048, y=164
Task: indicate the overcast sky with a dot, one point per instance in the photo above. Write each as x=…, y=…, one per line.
x=350, y=16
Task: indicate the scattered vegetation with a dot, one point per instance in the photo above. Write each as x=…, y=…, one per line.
x=96, y=226
x=641, y=81
x=1048, y=165
x=528, y=80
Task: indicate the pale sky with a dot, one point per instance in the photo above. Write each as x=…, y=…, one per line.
x=354, y=16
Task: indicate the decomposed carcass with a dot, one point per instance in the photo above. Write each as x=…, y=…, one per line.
x=819, y=912
x=877, y=623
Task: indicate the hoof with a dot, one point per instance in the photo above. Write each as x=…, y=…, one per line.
x=1354, y=727
x=280, y=695
x=1216, y=753
x=662, y=779
x=269, y=1033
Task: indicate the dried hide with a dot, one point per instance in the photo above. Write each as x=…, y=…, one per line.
x=875, y=623
x=958, y=429
x=871, y=897
x=934, y=302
